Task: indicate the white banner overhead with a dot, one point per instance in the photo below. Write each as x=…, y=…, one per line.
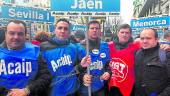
x=59, y=13
x=85, y=7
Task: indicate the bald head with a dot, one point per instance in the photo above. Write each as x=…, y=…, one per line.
x=149, y=38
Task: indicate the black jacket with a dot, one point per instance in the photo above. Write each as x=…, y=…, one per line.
x=40, y=83
x=2, y=36
x=151, y=75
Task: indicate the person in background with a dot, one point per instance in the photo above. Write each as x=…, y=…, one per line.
x=22, y=70
x=166, y=39
x=167, y=36
x=2, y=36
x=78, y=37
x=62, y=58
x=107, y=40
x=99, y=71
x=151, y=73
x=40, y=37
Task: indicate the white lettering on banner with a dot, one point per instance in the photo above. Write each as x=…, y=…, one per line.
x=15, y=68
x=149, y=23
x=65, y=60
x=87, y=4
x=73, y=13
x=86, y=13
x=21, y=14
x=100, y=13
x=96, y=65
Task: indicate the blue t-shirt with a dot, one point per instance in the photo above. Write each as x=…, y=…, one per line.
x=61, y=62
x=99, y=58
x=17, y=67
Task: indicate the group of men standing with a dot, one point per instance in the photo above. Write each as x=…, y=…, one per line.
x=58, y=67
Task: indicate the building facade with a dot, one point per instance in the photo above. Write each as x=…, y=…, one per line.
x=35, y=13
x=145, y=8
x=151, y=14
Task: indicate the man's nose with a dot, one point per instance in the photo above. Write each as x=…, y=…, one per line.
x=16, y=36
x=95, y=29
x=144, y=40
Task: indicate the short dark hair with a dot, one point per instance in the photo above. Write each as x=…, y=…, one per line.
x=124, y=26
x=93, y=22
x=64, y=20
x=79, y=34
x=154, y=30
x=18, y=22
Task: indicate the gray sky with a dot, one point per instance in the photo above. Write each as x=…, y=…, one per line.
x=126, y=10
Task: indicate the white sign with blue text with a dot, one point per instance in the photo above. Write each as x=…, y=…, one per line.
x=151, y=22
x=22, y=13
x=78, y=27
x=85, y=7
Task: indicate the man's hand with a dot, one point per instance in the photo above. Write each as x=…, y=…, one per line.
x=17, y=92
x=87, y=79
x=165, y=47
x=105, y=76
x=86, y=61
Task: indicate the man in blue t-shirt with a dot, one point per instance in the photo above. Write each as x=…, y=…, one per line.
x=23, y=72
x=62, y=58
x=99, y=70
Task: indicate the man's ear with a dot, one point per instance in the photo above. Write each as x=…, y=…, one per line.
x=101, y=34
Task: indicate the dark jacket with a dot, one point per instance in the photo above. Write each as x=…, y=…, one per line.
x=52, y=43
x=40, y=83
x=2, y=36
x=152, y=77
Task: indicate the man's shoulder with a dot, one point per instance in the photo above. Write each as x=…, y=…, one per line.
x=3, y=45
x=47, y=46
x=104, y=45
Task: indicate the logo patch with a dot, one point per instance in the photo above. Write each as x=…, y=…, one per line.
x=119, y=69
x=95, y=51
x=103, y=55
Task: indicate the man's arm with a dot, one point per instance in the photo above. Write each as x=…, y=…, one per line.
x=107, y=72
x=42, y=80
x=166, y=91
x=165, y=47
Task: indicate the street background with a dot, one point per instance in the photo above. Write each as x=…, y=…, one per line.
x=41, y=15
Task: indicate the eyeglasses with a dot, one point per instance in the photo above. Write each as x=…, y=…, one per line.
x=60, y=28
